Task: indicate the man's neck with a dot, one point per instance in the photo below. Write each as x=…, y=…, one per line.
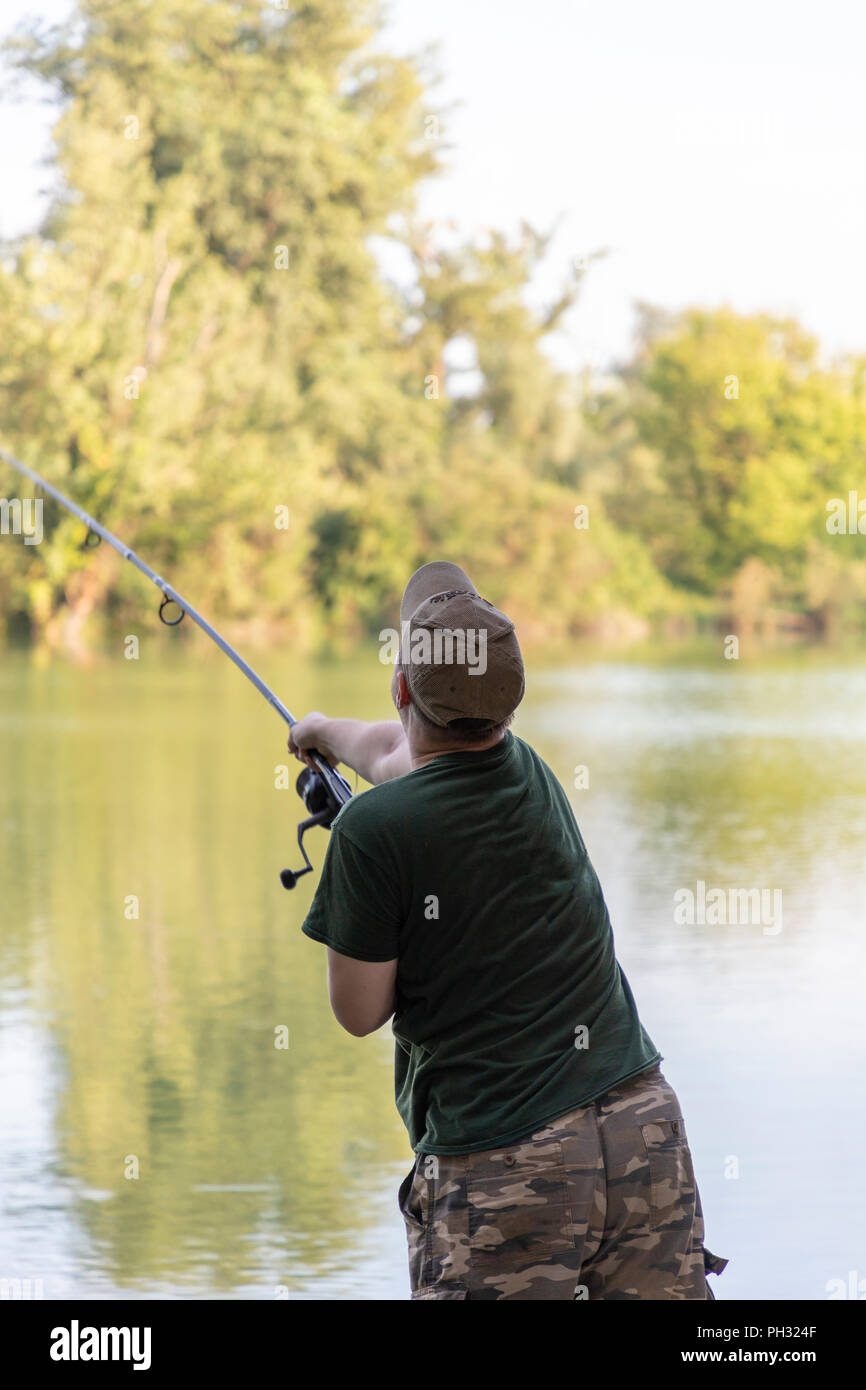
x=422, y=752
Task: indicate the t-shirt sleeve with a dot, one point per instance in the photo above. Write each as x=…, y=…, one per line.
x=356, y=909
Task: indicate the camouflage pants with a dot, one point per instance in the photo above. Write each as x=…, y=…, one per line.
x=601, y=1203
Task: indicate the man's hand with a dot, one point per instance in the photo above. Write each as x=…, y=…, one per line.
x=312, y=732
x=377, y=752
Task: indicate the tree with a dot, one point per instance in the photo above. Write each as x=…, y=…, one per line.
x=732, y=435
x=201, y=329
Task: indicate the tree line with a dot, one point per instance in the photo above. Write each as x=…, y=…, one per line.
x=201, y=344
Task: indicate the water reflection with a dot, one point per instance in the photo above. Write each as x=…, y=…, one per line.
x=146, y=1042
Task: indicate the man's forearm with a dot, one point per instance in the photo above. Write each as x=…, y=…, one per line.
x=377, y=752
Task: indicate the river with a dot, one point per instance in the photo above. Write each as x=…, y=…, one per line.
x=154, y=1139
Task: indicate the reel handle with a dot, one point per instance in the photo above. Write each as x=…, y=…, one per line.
x=323, y=805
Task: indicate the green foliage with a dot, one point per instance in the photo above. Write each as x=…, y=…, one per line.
x=201, y=333
x=165, y=370
x=729, y=437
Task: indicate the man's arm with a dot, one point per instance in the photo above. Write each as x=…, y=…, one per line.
x=362, y=992
x=377, y=752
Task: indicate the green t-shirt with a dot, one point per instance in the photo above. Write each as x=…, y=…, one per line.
x=472, y=872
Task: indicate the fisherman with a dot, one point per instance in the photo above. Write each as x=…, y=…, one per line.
x=457, y=898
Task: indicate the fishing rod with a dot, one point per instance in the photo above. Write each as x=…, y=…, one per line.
x=322, y=788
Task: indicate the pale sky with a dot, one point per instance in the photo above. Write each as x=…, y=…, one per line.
x=716, y=151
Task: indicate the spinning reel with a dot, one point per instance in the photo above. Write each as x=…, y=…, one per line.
x=323, y=791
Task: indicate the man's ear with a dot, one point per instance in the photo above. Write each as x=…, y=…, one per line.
x=402, y=698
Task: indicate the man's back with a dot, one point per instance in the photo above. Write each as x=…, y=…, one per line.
x=511, y=1008
x=458, y=900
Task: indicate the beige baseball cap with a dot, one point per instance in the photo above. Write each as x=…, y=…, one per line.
x=459, y=654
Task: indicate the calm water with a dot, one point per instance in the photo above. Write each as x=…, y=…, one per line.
x=150, y=1040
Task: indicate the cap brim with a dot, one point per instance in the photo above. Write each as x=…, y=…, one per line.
x=436, y=578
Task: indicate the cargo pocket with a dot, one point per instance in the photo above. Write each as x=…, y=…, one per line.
x=671, y=1174
x=519, y=1208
